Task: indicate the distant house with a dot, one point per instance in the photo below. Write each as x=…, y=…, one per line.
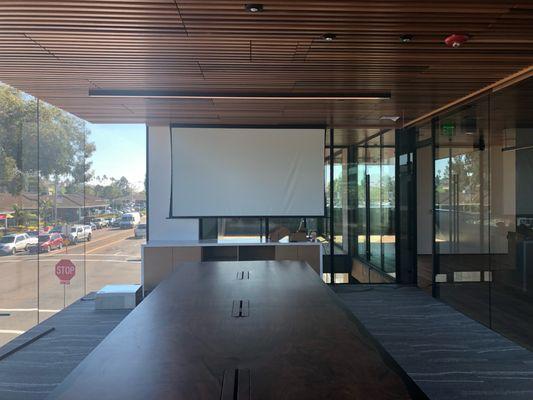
x=69, y=206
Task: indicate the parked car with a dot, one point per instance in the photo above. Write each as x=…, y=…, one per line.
x=102, y=222
x=79, y=233
x=10, y=244
x=62, y=229
x=130, y=220
x=140, y=231
x=48, y=242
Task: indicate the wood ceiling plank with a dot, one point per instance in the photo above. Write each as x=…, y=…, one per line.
x=59, y=49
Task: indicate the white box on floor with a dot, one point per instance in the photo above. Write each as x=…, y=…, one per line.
x=117, y=297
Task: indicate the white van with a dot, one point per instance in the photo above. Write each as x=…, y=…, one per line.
x=130, y=220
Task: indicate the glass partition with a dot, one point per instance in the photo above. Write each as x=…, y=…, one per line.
x=483, y=215
x=387, y=202
x=375, y=224
x=19, y=210
x=60, y=200
x=461, y=203
x=511, y=212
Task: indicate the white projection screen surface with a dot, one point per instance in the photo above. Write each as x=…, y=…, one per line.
x=245, y=172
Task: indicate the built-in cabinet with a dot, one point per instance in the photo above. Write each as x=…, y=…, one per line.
x=159, y=261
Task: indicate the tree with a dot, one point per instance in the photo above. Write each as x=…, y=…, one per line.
x=56, y=144
x=21, y=216
x=46, y=208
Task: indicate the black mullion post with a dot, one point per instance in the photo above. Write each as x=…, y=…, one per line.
x=331, y=208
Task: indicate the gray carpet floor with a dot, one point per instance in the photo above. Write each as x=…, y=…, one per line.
x=447, y=354
x=32, y=372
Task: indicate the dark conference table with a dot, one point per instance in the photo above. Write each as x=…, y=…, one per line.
x=238, y=330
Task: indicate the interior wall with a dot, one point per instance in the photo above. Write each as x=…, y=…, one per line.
x=160, y=227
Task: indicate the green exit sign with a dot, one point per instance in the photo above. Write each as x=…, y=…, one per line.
x=448, y=129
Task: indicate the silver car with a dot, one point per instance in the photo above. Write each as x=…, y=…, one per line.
x=10, y=244
x=140, y=231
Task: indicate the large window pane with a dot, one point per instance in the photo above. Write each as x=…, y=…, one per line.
x=373, y=170
x=62, y=139
x=19, y=188
x=388, y=203
x=115, y=203
x=361, y=216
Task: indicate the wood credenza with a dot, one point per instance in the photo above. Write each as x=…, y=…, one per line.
x=160, y=259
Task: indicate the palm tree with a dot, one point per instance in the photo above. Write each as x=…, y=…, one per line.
x=45, y=209
x=20, y=215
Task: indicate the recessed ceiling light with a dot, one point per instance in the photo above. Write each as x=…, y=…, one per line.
x=329, y=37
x=254, y=8
x=406, y=38
x=390, y=117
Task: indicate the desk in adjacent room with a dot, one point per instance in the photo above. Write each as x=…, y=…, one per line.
x=262, y=329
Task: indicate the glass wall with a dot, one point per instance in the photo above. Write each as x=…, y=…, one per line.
x=375, y=224
x=61, y=197
x=511, y=212
x=461, y=208
x=19, y=212
x=483, y=215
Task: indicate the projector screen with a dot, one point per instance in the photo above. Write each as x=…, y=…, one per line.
x=245, y=172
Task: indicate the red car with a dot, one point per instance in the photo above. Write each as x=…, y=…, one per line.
x=49, y=242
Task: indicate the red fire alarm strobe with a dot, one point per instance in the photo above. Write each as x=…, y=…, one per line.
x=456, y=40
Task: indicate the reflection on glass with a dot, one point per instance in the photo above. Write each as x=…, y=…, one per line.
x=361, y=203
x=461, y=200
x=388, y=237
x=511, y=212
x=340, y=200
x=240, y=229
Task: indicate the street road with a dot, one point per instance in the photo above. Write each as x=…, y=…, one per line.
x=30, y=291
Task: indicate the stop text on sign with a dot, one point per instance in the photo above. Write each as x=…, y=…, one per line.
x=65, y=271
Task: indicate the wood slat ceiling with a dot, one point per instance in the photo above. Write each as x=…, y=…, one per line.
x=57, y=50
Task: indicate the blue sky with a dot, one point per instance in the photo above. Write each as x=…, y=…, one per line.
x=120, y=151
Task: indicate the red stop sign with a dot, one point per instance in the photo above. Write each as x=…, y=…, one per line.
x=65, y=271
